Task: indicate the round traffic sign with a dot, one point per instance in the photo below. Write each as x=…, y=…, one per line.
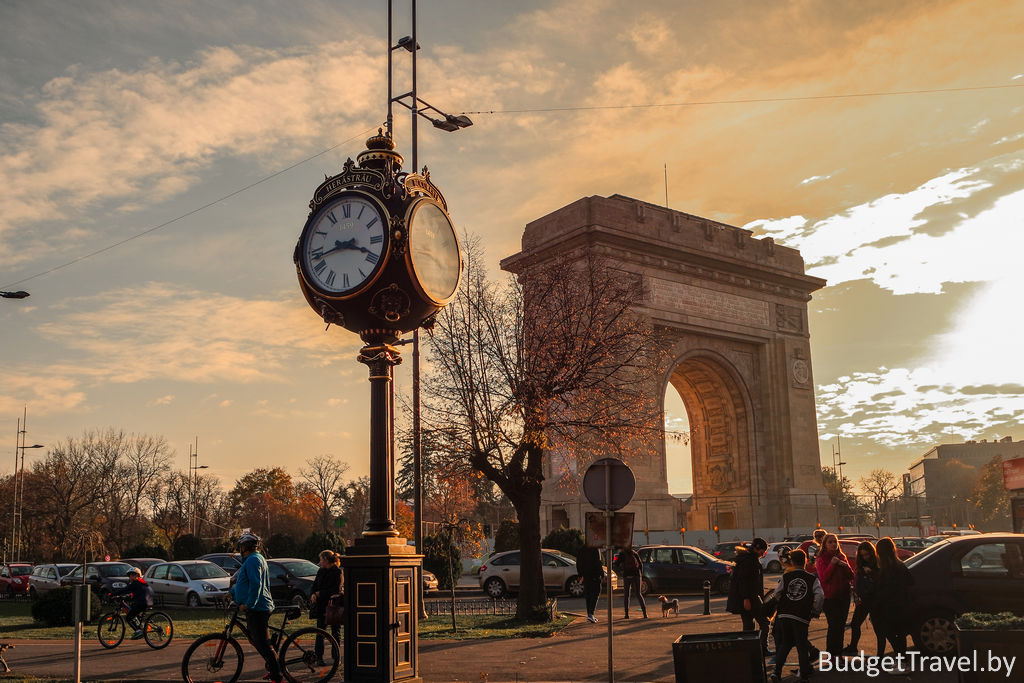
x=609, y=484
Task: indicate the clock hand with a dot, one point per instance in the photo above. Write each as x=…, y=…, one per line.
x=338, y=244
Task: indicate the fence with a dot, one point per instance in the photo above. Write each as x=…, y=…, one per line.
x=465, y=606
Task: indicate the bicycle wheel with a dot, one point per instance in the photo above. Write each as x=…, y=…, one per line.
x=299, y=662
x=110, y=630
x=212, y=659
x=158, y=630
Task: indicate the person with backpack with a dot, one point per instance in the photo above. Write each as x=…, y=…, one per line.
x=799, y=598
x=632, y=572
x=746, y=590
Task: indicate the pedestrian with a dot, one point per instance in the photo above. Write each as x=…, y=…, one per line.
x=632, y=572
x=892, y=599
x=835, y=574
x=142, y=599
x=800, y=599
x=326, y=585
x=252, y=593
x=746, y=590
x=591, y=571
x=865, y=576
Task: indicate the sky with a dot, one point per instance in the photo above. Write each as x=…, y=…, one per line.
x=167, y=151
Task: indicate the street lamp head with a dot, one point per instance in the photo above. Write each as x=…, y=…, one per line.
x=20, y=294
x=38, y=445
x=405, y=42
x=445, y=124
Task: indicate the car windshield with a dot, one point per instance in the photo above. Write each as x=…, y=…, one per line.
x=911, y=561
x=300, y=567
x=21, y=571
x=205, y=571
x=117, y=569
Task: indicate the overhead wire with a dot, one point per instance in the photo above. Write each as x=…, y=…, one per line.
x=536, y=110
x=192, y=212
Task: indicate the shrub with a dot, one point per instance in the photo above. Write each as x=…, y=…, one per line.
x=143, y=550
x=442, y=557
x=507, y=537
x=282, y=545
x=982, y=621
x=188, y=547
x=316, y=542
x=567, y=540
x=54, y=608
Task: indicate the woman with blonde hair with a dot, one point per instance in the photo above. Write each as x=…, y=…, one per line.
x=835, y=573
x=327, y=583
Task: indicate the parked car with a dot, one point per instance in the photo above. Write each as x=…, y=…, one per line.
x=142, y=563
x=229, y=562
x=14, y=578
x=670, y=568
x=913, y=544
x=499, y=575
x=291, y=580
x=771, y=561
x=973, y=573
x=726, y=551
x=45, y=577
x=192, y=582
x=104, y=577
x=430, y=582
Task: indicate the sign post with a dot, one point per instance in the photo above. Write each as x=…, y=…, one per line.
x=609, y=485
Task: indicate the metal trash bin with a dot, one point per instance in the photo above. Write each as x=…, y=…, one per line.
x=734, y=656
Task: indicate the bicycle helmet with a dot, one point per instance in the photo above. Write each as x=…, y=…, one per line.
x=247, y=538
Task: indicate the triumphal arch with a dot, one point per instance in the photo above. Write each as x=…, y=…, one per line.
x=734, y=312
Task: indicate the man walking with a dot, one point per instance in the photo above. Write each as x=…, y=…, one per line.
x=252, y=592
x=747, y=589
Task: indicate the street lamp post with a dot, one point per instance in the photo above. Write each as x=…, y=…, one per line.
x=193, y=469
x=19, y=486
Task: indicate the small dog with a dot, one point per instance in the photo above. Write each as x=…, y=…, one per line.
x=668, y=605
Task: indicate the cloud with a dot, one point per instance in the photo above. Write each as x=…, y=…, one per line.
x=162, y=401
x=168, y=331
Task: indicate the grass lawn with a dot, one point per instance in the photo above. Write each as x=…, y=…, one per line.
x=16, y=622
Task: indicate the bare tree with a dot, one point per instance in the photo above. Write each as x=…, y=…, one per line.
x=555, y=361
x=882, y=485
x=170, y=501
x=355, y=507
x=324, y=477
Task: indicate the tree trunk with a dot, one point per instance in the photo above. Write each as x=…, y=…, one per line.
x=532, y=596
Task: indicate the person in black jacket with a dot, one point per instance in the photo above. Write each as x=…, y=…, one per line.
x=142, y=599
x=800, y=599
x=326, y=585
x=892, y=597
x=591, y=570
x=864, y=596
x=747, y=589
x=632, y=574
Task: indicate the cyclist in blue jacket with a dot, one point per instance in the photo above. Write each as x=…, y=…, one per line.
x=252, y=592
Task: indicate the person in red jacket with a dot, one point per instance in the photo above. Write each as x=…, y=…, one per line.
x=835, y=572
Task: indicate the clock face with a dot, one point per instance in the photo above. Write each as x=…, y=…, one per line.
x=434, y=250
x=344, y=246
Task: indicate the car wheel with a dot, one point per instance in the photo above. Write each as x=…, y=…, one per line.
x=935, y=634
x=722, y=585
x=33, y=593
x=775, y=566
x=494, y=587
x=645, y=586
x=574, y=587
x=192, y=600
x=300, y=601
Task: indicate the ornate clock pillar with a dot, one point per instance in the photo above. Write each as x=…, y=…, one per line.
x=378, y=256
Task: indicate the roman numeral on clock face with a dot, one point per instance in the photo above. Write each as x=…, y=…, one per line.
x=331, y=218
x=330, y=279
x=319, y=267
x=376, y=239
x=372, y=258
x=344, y=280
x=347, y=210
x=317, y=253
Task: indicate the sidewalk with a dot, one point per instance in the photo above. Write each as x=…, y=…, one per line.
x=642, y=651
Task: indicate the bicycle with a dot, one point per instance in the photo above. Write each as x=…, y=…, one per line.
x=157, y=627
x=217, y=657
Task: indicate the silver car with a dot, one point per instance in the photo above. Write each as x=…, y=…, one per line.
x=499, y=575
x=192, y=582
x=45, y=577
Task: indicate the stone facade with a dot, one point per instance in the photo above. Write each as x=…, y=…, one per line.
x=734, y=309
